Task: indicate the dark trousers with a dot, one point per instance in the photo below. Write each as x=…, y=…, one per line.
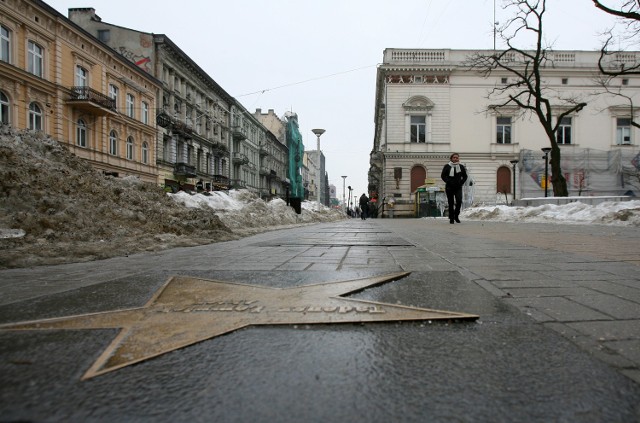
x=454, y=208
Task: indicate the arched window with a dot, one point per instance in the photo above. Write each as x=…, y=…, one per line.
x=503, y=179
x=418, y=176
x=130, y=148
x=4, y=109
x=81, y=133
x=35, y=117
x=113, y=143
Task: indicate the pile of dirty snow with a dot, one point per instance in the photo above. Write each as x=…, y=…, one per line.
x=55, y=208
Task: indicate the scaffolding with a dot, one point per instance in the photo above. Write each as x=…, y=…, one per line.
x=588, y=172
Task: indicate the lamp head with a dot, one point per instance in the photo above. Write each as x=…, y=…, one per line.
x=546, y=150
x=514, y=162
x=318, y=132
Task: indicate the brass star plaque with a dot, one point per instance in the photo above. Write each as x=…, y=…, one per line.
x=188, y=310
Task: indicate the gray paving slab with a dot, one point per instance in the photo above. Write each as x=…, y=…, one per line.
x=562, y=346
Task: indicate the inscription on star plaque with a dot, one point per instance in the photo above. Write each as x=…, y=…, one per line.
x=188, y=310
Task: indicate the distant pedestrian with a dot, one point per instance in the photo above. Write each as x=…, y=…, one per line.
x=364, y=206
x=454, y=175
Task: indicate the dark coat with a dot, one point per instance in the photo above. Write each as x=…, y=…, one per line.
x=364, y=200
x=457, y=180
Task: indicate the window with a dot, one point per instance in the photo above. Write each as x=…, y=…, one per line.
x=145, y=112
x=104, y=35
x=5, y=44
x=35, y=59
x=145, y=153
x=190, y=155
x=130, y=147
x=623, y=131
x=180, y=152
x=81, y=133
x=113, y=93
x=189, y=116
x=35, y=117
x=81, y=82
x=130, y=102
x=4, y=109
x=418, y=129
x=563, y=136
x=81, y=76
x=503, y=130
x=113, y=143
x=565, y=81
x=166, y=149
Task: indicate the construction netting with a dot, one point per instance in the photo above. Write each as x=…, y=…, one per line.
x=296, y=153
x=588, y=172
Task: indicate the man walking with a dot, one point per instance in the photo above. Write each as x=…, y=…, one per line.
x=364, y=206
x=454, y=175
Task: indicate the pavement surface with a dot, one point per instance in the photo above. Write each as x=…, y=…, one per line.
x=557, y=338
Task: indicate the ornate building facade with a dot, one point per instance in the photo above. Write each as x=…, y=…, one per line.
x=56, y=78
x=194, y=115
x=429, y=105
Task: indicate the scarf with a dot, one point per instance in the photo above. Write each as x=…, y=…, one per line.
x=455, y=168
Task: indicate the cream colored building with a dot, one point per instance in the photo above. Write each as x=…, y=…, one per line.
x=194, y=114
x=429, y=105
x=56, y=78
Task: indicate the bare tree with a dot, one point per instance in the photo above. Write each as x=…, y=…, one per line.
x=613, y=63
x=629, y=9
x=526, y=89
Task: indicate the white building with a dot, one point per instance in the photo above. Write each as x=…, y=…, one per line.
x=429, y=105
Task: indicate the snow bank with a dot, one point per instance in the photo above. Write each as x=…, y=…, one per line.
x=623, y=213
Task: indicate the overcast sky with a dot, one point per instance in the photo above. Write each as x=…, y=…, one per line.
x=318, y=58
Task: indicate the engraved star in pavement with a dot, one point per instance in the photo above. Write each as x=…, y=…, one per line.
x=188, y=310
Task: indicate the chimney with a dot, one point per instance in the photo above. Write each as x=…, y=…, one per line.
x=83, y=13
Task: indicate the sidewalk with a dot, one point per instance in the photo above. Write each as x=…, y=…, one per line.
x=581, y=281
x=557, y=339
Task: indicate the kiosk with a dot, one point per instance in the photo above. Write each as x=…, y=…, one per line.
x=426, y=200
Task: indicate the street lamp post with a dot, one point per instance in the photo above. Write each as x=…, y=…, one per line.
x=344, y=202
x=546, y=151
x=514, y=163
x=318, y=132
x=349, y=206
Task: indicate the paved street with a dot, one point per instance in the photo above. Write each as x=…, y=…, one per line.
x=557, y=338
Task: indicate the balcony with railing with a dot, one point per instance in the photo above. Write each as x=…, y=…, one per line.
x=238, y=183
x=164, y=120
x=239, y=158
x=238, y=132
x=184, y=169
x=93, y=101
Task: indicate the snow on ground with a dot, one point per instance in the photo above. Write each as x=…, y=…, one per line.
x=622, y=213
x=239, y=209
